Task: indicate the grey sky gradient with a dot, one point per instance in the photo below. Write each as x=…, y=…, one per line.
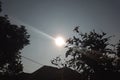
x=59, y=17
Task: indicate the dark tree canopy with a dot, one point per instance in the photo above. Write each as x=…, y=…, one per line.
x=13, y=38
x=92, y=55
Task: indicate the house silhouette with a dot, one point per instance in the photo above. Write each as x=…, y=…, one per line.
x=53, y=73
x=65, y=73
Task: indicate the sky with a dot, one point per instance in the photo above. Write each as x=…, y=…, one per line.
x=51, y=18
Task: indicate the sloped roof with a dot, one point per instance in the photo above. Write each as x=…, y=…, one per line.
x=53, y=73
x=48, y=73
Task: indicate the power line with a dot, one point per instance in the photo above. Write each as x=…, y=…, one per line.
x=32, y=60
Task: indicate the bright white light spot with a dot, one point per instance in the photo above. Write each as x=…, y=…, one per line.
x=59, y=41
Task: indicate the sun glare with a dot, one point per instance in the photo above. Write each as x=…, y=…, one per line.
x=59, y=41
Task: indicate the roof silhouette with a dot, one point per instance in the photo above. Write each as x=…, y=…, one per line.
x=47, y=73
x=53, y=73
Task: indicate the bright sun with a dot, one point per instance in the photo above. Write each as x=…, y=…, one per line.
x=59, y=41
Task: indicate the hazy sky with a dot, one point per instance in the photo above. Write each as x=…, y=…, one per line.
x=59, y=17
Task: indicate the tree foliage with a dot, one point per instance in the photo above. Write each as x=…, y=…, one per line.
x=13, y=38
x=92, y=54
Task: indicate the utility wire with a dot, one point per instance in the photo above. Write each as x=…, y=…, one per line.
x=32, y=60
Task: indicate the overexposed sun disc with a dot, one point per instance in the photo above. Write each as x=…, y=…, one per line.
x=59, y=41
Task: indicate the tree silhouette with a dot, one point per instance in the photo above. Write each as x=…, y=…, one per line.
x=13, y=38
x=92, y=55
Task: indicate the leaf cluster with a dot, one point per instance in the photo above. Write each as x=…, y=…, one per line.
x=13, y=39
